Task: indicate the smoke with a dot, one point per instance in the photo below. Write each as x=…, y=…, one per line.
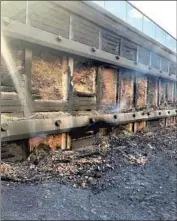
x=117, y=108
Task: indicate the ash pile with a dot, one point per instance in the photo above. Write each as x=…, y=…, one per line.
x=88, y=167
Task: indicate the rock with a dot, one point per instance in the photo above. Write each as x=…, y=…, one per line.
x=92, y=181
x=83, y=184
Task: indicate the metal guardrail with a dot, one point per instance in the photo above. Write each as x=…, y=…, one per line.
x=128, y=13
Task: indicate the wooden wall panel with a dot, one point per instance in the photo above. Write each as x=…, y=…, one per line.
x=84, y=31
x=49, y=17
x=129, y=50
x=110, y=42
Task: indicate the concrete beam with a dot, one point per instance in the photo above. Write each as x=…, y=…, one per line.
x=21, y=31
x=30, y=128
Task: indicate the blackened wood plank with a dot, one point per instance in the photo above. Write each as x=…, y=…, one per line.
x=82, y=34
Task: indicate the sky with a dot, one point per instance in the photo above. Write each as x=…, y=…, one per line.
x=162, y=12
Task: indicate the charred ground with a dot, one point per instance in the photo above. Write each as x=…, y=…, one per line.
x=138, y=171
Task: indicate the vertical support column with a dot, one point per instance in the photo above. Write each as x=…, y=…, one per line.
x=150, y=61
x=70, y=27
x=158, y=91
x=137, y=55
x=100, y=38
x=70, y=70
x=121, y=44
x=160, y=64
x=118, y=88
x=168, y=68
x=71, y=95
x=28, y=104
x=94, y=83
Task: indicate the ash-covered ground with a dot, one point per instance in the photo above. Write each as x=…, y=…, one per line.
x=127, y=178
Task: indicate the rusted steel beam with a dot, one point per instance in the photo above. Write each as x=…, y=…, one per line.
x=29, y=128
